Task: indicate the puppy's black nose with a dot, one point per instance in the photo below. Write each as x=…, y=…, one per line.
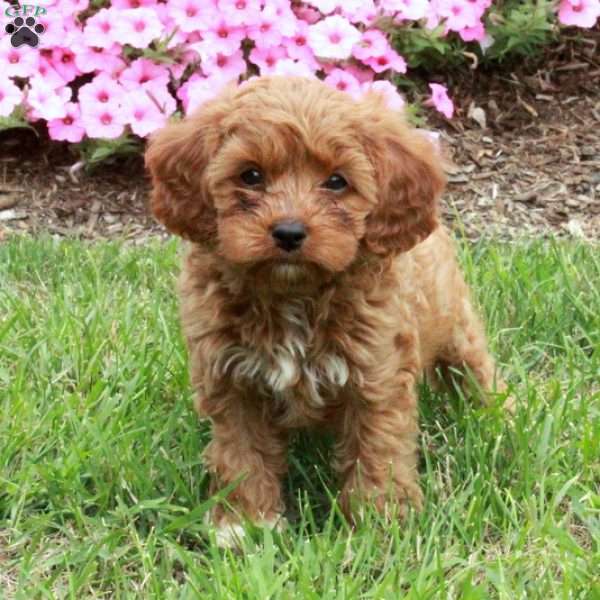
x=289, y=235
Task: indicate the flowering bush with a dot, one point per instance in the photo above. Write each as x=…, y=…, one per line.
x=107, y=70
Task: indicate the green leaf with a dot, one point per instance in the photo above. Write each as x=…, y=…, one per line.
x=16, y=120
x=96, y=151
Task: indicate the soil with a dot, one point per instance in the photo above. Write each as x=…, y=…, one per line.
x=524, y=150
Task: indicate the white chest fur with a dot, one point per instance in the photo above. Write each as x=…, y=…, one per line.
x=287, y=359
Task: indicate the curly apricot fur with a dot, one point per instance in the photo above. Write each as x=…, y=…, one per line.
x=337, y=333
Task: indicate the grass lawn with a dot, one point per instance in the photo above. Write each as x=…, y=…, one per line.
x=102, y=491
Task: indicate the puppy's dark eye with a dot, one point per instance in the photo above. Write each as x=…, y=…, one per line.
x=252, y=177
x=335, y=183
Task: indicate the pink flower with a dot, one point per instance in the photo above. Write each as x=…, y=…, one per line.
x=138, y=27
x=411, y=10
x=240, y=12
x=144, y=113
x=186, y=58
x=292, y=68
x=10, y=96
x=459, y=14
x=297, y=47
x=17, y=62
x=440, y=99
x=361, y=74
x=266, y=59
x=69, y=128
x=102, y=90
x=193, y=15
x=173, y=32
x=582, y=13
x=267, y=30
x=142, y=72
x=390, y=60
x=59, y=29
x=433, y=19
x=198, y=90
x=366, y=12
x=372, y=43
x=470, y=34
x=91, y=58
x=63, y=61
x=354, y=10
x=162, y=98
x=281, y=12
x=125, y=4
x=48, y=73
x=324, y=6
x=103, y=121
x=72, y=7
x=194, y=37
x=307, y=14
x=183, y=91
x=392, y=98
x=344, y=81
x=479, y=6
x=222, y=38
x=100, y=29
x=225, y=67
x=333, y=37
x=45, y=101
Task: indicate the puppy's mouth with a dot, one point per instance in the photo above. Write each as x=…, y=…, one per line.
x=288, y=268
x=288, y=273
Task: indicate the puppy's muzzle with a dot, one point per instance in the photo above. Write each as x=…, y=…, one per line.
x=289, y=235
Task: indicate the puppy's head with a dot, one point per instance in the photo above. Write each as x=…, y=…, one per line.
x=288, y=175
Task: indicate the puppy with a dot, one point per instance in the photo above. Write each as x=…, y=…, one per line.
x=317, y=288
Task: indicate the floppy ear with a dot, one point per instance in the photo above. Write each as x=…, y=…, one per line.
x=410, y=181
x=177, y=157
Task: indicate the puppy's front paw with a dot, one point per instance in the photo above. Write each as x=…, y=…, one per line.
x=510, y=405
x=229, y=533
x=500, y=396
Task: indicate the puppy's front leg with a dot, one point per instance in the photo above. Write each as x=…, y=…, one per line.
x=247, y=448
x=377, y=447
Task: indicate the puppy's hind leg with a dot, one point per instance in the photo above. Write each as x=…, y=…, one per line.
x=467, y=351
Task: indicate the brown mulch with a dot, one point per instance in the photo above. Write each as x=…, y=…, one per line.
x=525, y=148
x=46, y=194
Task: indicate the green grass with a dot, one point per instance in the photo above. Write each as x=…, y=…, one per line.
x=102, y=491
